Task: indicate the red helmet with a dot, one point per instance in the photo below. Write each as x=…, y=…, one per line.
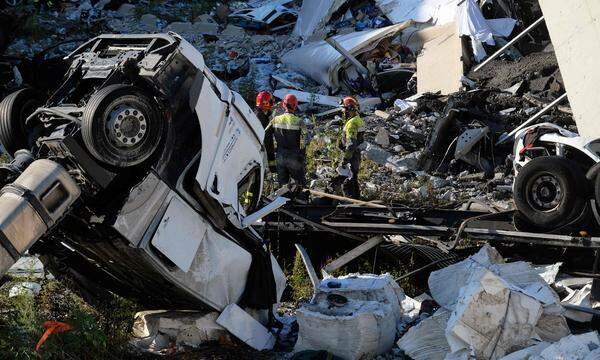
x=264, y=100
x=290, y=102
x=350, y=103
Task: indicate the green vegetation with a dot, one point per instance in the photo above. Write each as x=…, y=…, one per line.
x=299, y=282
x=100, y=331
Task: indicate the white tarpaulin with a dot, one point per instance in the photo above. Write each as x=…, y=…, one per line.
x=314, y=15
x=321, y=62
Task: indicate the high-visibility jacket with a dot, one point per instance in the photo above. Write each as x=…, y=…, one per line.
x=353, y=135
x=288, y=132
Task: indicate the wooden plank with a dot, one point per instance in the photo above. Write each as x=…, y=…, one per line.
x=352, y=254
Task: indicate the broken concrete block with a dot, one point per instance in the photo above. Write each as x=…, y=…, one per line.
x=246, y=328
x=126, y=10
x=149, y=21
x=491, y=320
x=205, y=28
x=383, y=137
x=382, y=114
x=190, y=328
x=351, y=331
x=180, y=27
x=572, y=347
x=232, y=30
x=377, y=154
x=427, y=339
x=27, y=266
x=25, y=289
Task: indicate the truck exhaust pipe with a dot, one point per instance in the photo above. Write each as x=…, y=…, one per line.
x=31, y=206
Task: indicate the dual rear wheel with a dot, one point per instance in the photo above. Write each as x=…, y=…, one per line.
x=121, y=125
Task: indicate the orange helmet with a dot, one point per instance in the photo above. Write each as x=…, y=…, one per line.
x=264, y=100
x=290, y=102
x=350, y=104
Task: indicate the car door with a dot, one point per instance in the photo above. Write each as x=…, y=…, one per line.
x=232, y=146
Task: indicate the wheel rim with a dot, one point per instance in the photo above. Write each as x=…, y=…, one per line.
x=127, y=126
x=545, y=192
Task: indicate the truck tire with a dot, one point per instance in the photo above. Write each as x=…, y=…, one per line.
x=14, y=110
x=121, y=125
x=550, y=191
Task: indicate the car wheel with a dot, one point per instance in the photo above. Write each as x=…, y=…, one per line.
x=550, y=191
x=14, y=110
x=121, y=125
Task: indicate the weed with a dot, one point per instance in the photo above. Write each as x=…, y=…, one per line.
x=299, y=282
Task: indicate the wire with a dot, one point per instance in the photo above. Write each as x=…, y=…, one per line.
x=446, y=154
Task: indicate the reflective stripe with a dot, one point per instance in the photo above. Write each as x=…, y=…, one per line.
x=287, y=121
x=286, y=126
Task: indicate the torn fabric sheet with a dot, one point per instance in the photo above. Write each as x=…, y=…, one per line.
x=314, y=15
x=471, y=22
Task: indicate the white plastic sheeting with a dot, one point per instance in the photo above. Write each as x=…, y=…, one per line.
x=445, y=284
x=321, y=62
x=314, y=15
x=494, y=308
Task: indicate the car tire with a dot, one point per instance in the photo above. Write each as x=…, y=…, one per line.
x=121, y=125
x=14, y=110
x=550, y=191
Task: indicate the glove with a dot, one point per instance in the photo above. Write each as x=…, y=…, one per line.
x=345, y=171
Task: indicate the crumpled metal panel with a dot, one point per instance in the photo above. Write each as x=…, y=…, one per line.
x=321, y=62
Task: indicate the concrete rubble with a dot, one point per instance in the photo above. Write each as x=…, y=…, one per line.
x=155, y=331
x=433, y=121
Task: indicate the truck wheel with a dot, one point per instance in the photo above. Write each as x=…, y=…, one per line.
x=14, y=110
x=121, y=125
x=550, y=191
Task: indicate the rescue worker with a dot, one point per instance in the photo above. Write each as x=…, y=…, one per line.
x=264, y=111
x=352, y=136
x=288, y=128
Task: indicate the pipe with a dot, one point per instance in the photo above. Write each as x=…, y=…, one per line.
x=509, y=44
x=532, y=119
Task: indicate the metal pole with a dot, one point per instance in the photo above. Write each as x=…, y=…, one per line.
x=533, y=119
x=509, y=44
x=360, y=67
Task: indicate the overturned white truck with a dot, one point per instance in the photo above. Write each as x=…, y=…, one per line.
x=136, y=175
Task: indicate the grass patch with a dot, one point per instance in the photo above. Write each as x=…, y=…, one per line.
x=101, y=331
x=299, y=281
